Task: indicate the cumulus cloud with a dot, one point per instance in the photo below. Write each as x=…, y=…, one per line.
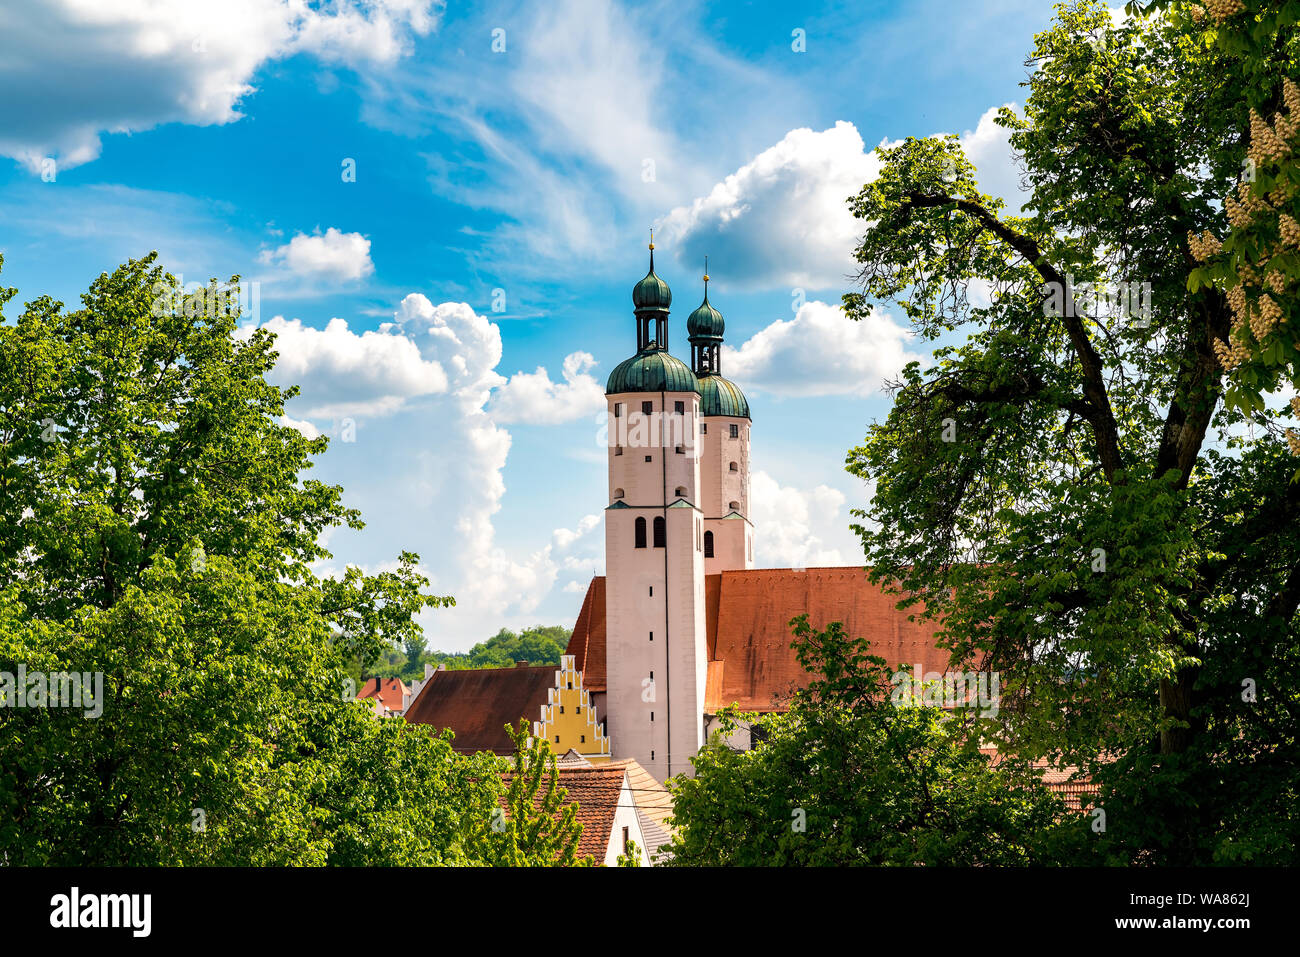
x=988, y=147
x=821, y=352
x=428, y=474
x=343, y=373
x=781, y=219
x=75, y=69
x=565, y=537
x=798, y=528
x=532, y=398
x=332, y=255
x=302, y=425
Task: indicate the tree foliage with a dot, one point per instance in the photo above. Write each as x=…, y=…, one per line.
x=1065, y=486
x=849, y=776
x=539, y=645
x=534, y=826
x=1255, y=259
x=155, y=529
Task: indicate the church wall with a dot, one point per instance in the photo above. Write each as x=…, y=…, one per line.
x=642, y=482
x=739, y=739
x=732, y=538
x=656, y=645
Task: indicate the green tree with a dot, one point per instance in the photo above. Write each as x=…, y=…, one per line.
x=534, y=827
x=1256, y=259
x=854, y=775
x=539, y=645
x=154, y=528
x=1065, y=487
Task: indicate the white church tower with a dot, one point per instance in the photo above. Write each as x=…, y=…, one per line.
x=724, y=447
x=678, y=507
x=656, y=644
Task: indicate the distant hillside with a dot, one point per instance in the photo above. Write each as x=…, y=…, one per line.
x=539, y=645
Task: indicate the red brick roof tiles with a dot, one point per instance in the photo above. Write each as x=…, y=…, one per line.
x=389, y=690
x=591, y=622
x=747, y=615
x=596, y=791
x=477, y=704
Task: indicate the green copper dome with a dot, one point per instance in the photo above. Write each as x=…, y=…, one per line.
x=705, y=322
x=653, y=371
x=652, y=292
x=719, y=396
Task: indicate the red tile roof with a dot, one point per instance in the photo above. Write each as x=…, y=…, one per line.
x=590, y=623
x=595, y=789
x=477, y=704
x=389, y=690
x=747, y=614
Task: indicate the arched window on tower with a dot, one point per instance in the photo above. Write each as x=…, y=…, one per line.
x=661, y=532
x=618, y=493
x=734, y=506
x=734, y=467
x=640, y=533
x=681, y=491
x=708, y=544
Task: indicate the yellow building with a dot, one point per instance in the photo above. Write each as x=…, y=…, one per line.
x=477, y=704
x=568, y=720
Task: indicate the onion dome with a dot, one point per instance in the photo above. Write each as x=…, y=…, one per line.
x=655, y=371
x=719, y=396
x=705, y=322
x=651, y=293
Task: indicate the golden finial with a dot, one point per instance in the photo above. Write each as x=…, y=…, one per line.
x=706, y=269
x=652, y=237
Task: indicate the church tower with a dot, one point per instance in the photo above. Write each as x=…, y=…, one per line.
x=656, y=642
x=724, y=447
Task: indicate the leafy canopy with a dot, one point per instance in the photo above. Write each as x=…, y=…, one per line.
x=155, y=528
x=1065, y=485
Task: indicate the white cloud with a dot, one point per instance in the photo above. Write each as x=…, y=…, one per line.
x=532, y=398
x=302, y=425
x=537, y=121
x=343, y=373
x=988, y=147
x=821, y=352
x=781, y=219
x=797, y=528
x=333, y=255
x=77, y=68
x=429, y=474
x=564, y=537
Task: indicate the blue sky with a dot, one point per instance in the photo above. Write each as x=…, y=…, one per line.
x=523, y=178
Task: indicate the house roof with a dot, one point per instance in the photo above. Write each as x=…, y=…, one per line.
x=595, y=789
x=588, y=637
x=747, y=614
x=389, y=690
x=477, y=704
x=654, y=806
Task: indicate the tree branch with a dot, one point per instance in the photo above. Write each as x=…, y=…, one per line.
x=1099, y=414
